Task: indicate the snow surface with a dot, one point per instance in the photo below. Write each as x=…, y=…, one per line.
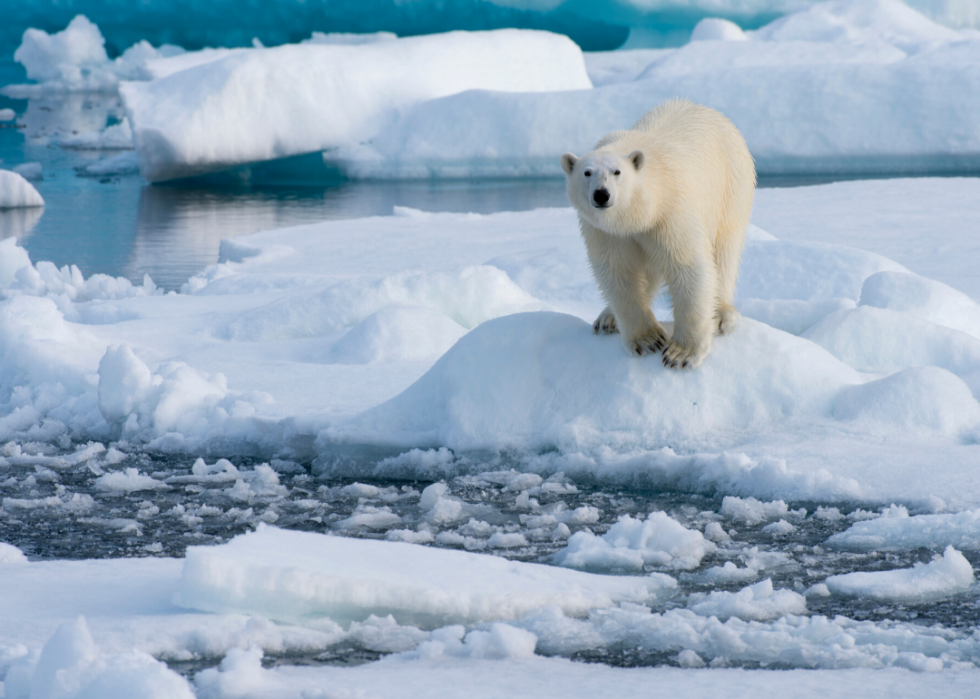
x=398, y=336
x=16, y=192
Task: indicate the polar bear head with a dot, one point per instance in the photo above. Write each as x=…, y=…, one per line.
x=603, y=185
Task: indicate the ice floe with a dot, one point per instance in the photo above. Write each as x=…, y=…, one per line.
x=947, y=575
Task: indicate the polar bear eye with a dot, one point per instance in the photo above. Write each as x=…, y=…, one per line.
x=617, y=173
x=587, y=173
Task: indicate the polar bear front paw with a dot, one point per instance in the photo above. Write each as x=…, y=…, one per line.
x=728, y=318
x=605, y=324
x=651, y=341
x=677, y=356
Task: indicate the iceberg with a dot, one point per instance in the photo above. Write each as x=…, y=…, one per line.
x=16, y=192
x=273, y=103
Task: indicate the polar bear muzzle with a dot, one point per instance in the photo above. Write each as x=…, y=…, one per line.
x=600, y=198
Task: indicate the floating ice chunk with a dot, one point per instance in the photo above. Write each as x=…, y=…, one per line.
x=715, y=29
x=728, y=573
x=713, y=531
x=370, y=518
x=923, y=582
x=630, y=544
x=11, y=555
x=960, y=530
x=440, y=508
x=756, y=602
x=780, y=528
x=128, y=481
x=30, y=171
x=116, y=137
x=7, y=114
x=361, y=490
x=828, y=514
x=17, y=192
x=408, y=536
x=294, y=575
x=501, y=540
x=752, y=511
x=688, y=658
x=919, y=399
x=234, y=111
x=119, y=164
x=385, y=635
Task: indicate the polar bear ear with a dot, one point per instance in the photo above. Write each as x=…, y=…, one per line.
x=637, y=158
x=568, y=162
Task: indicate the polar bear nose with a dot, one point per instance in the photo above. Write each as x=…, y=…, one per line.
x=601, y=196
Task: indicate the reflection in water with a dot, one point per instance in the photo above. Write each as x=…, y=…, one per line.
x=18, y=223
x=179, y=230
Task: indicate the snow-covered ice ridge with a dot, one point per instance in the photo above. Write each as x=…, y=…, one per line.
x=850, y=86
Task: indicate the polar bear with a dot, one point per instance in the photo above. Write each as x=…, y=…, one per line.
x=666, y=202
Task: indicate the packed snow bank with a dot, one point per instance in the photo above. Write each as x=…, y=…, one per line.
x=16, y=192
x=298, y=575
x=242, y=109
x=942, y=577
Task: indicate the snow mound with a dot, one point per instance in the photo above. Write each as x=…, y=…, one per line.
x=537, y=380
x=630, y=544
x=961, y=530
x=923, y=398
x=17, y=192
x=942, y=577
x=240, y=109
x=295, y=575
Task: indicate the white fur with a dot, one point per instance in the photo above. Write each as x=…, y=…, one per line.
x=666, y=203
